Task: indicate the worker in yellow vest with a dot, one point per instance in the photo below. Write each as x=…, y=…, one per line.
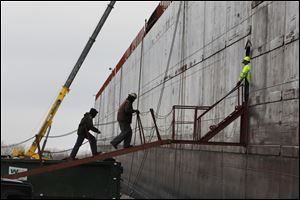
x=245, y=74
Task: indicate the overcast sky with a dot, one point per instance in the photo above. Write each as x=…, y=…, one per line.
x=40, y=44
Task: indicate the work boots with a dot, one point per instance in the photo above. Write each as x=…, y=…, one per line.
x=115, y=146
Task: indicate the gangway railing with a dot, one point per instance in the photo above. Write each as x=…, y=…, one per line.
x=240, y=110
x=196, y=109
x=103, y=156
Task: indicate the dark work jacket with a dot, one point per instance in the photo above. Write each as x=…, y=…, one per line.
x=125, y=112
x=86, y=124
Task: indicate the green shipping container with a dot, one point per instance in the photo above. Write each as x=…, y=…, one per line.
x=99, y=179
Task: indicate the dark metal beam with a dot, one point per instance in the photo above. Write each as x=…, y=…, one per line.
x=191, y=107
x=74, y=163
x=235, y=114
x=156, y=128
x=206, y=143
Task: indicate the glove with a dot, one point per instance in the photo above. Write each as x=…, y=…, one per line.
x=238, y=83
x=98, y=131
x=137, y=112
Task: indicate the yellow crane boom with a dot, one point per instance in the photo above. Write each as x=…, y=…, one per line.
x=65, y=89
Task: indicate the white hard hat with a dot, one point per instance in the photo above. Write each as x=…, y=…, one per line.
x=133, y=95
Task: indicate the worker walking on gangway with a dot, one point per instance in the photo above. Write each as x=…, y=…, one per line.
x=245, y=74
x=124, y=118
x=85, y=125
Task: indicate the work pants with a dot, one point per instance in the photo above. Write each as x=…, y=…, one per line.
x=126, y=134
x=79, y=141
x=246, y=91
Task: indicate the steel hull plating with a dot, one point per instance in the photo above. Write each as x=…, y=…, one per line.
x=192, y=56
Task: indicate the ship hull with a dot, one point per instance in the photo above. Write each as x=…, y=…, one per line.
x=191, y=55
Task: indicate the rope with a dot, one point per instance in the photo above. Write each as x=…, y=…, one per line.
x=164, y=116
x=62, y=135
x=54, y=136
x=16, y=144
x=144, y=113
x=62, y=151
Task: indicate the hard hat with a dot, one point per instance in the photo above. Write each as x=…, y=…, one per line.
x=93, y=111
x=247, y=58
x=133, y=95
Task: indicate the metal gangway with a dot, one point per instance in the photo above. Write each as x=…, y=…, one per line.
x=241, y=110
